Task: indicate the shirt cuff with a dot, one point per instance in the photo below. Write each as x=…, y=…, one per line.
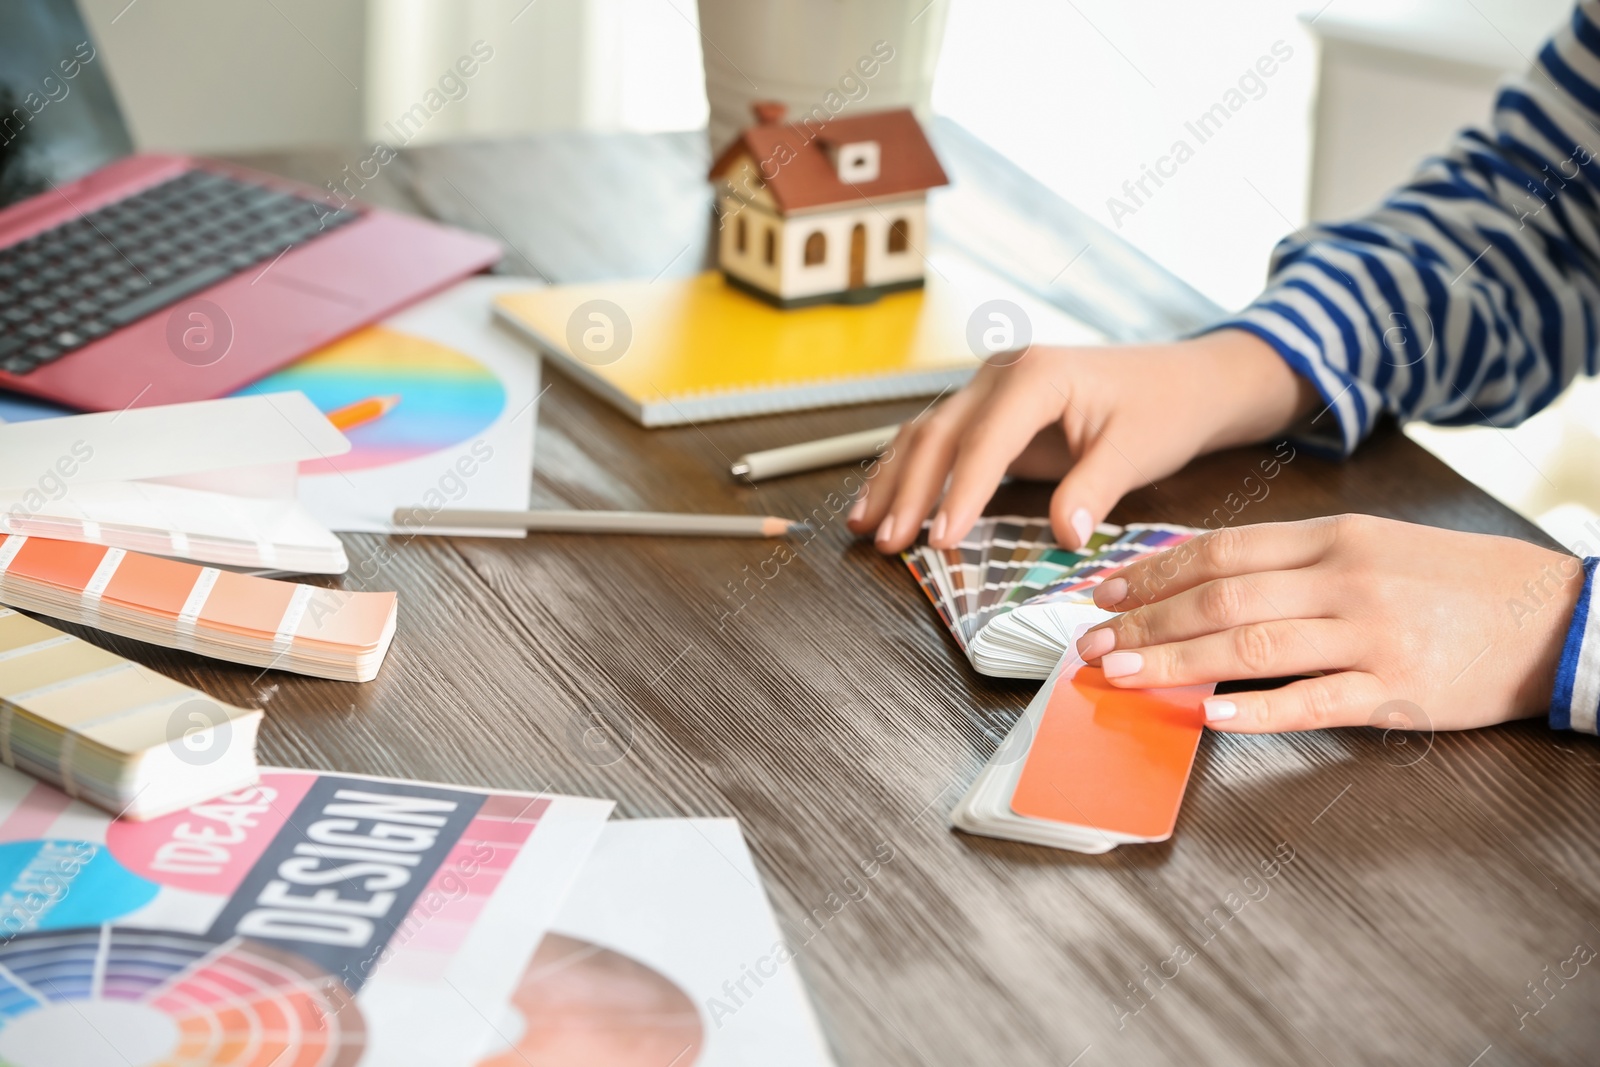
x=1293, y=320
x=1576, y=700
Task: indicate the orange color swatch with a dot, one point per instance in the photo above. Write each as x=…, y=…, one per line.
x=64, y=564
x=328, y=633
x=152, y=584
x=246, y=604
x=1116, y=760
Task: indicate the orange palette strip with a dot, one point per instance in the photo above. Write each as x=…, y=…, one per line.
x=262, y=622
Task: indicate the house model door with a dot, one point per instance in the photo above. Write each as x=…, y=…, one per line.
x=858, y=256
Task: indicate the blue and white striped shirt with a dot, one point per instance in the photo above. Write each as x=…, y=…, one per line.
x=1472, y=295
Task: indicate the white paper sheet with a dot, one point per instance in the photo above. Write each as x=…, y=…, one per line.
x=171, y=440
x=680, y=899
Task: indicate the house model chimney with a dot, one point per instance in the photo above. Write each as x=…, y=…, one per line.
x=854, y=161
x=769, y=112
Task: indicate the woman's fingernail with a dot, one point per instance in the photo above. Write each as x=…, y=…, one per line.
x=1121, y=664
x=1096, y=643
x=886, y=530
x=858, y=510
x=1218, y=709
x=936, y=532
x=1083, y=525
x=1111, y=592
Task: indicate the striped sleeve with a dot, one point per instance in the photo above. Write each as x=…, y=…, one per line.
x=1471, y=294
x=1575, y=702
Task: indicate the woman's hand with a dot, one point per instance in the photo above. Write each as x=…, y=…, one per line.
x=1102, y=421
x=1467, y=627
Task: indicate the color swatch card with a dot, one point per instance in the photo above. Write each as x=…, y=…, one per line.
x=111, y=732
x=1011, y=595
x=1089, y=766
x=666, y=952
x=311, y=919
x=269, y=533
x=456, y=428
x=327, y=633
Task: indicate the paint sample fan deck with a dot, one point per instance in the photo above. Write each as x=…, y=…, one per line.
x=326, y=633
x=1012, y=596
x=111, y=732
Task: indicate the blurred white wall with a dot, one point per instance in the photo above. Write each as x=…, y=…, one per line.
x=1086, y=95
x=246, y=75
x=199, y=75
x=1399, y=77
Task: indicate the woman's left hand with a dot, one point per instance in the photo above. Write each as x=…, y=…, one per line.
x=1468, y=627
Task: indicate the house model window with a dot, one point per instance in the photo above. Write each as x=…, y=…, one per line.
x=835, y=205
x=899, y=236
x=856, y=162
x=816, y=249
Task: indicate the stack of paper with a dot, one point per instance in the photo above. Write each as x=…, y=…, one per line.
x=226, y=493
x=1012, y=596
x=328, y=633
x=330, y=919
x=1089, y=766
x=111, y=732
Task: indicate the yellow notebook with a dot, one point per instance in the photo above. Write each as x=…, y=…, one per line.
x=695, y=349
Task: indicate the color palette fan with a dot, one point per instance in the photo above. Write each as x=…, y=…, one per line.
x=1012, y=595
x=327, y=633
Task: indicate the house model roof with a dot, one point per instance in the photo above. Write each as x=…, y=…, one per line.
x=794, y=159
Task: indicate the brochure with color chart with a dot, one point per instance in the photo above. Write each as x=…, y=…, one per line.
x=1089, y=766
x=1012, y=596
x=111, y=732
x=310, y=919
x=327, y=633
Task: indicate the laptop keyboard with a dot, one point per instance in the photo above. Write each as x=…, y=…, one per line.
x=68, y=286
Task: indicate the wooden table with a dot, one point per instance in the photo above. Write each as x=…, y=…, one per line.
x=823, y=705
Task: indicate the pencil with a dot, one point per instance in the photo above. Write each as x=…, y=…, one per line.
x=363, y=411
x=669, y=524
x=813, y=455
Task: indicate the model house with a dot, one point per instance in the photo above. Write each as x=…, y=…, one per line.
x=814, y=211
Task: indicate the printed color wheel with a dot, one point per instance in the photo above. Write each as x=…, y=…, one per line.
x=158, y=998
x=446, y=396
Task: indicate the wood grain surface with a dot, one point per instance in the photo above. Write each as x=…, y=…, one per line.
x=1331, y=898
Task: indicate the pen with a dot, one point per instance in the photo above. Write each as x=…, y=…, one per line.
x=813, y=455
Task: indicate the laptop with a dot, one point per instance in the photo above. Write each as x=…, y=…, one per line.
x=136, y=279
